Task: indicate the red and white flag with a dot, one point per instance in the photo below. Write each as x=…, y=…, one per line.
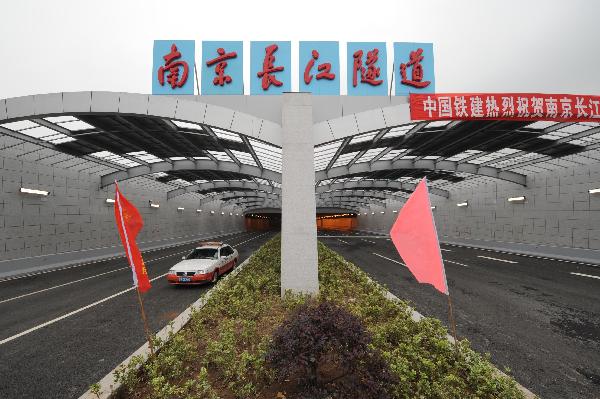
x=129, y=222
x=416, y=240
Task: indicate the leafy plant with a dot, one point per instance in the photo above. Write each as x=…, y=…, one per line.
x=95, y=389
x=128, y=374
x=327, y=348
x=350, y=342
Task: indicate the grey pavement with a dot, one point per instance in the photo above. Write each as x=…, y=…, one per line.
x=537, y=317
x=62, y=359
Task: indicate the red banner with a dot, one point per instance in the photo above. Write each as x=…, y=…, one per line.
x=505, y=106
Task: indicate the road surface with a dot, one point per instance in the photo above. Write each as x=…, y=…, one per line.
x=63, y=330
x=541, y=318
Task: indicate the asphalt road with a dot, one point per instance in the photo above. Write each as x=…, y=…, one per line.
x=80, y=345
x=532, y=315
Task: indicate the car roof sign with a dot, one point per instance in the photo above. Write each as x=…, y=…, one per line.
x=210, y=243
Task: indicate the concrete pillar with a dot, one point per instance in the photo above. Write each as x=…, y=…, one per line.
x=299, y=271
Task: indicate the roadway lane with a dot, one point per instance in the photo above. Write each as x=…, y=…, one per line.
x=62, y=359
x=532, y=315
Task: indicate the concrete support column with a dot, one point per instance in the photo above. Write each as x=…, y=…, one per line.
x=299, y=271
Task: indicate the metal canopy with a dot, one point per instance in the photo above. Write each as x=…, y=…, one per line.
x=181, y=157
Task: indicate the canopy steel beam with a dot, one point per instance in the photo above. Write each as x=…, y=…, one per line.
x=363, y=198
x=187, y=164
x=453, y=166
x=381, y=184
x=41, y=143
x=230, y=184
x=362, y=194
x=251, y=194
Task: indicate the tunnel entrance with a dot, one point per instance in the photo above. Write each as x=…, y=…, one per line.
x=324, y=221
x=263, y=221
x=336, y=221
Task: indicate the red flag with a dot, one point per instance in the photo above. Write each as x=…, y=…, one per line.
x=415, y=238
x=129, y=222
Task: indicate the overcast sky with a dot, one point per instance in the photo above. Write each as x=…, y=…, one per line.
x=480, y=46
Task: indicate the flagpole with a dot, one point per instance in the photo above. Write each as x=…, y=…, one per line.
x=196, y=75
x=146, y=327
x=452, y=322
x=131, y=263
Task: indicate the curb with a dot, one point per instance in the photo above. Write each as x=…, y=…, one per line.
x=108, y=385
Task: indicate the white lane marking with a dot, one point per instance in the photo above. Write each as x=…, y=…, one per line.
x=456, y=263
x=585, y=275
x=328, y=236
x=524, y=255
x=104, y=260
x=11, y=338
x=386, y=258
x=91, y=305
x=372, y=242
x=444, y=249
x=87, y=278
x=499, y=260
x=253, y=238
x=61, y=285
x=345, y=242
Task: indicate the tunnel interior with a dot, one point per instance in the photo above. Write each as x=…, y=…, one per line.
x=324, y=221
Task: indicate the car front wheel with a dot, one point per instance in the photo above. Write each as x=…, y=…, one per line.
x=215, y=276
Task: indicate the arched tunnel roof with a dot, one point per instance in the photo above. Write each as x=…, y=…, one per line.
x=188, y=147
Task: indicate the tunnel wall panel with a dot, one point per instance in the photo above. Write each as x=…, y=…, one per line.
x=559, y=211
x=76, y=217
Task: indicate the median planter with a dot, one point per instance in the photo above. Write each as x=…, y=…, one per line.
x=351, y=341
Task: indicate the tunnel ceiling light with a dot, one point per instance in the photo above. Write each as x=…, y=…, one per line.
x=516, y=199
x=382, y=212
x=433, y=208
x=594, y=191
x=180, y=208
x=372, y=213
x=222, y=213
x=110, y=201
x=198, y=210
x=395, y=211
x=460, y=204
x=153, y=205
x=33, y=191
x=212, y=212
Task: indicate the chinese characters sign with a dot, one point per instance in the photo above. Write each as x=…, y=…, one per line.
x=366, y=70
x=413, y=68
x=173, y=67
x=270, y=67
x=510, y=106
x=220, y=69
x=319, y=68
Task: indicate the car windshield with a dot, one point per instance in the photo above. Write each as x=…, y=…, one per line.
x=203, y=253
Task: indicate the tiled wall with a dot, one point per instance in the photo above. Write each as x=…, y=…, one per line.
x=75, y=215
x=558, y=211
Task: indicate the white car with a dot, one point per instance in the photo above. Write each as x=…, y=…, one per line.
x=205, y=263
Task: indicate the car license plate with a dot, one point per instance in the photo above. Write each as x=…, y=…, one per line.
x=184, y=279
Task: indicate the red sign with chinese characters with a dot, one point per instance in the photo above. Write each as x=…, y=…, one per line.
x=505, y=106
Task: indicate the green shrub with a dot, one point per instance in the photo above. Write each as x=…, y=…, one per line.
x=327, y=349
x=234, y=337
